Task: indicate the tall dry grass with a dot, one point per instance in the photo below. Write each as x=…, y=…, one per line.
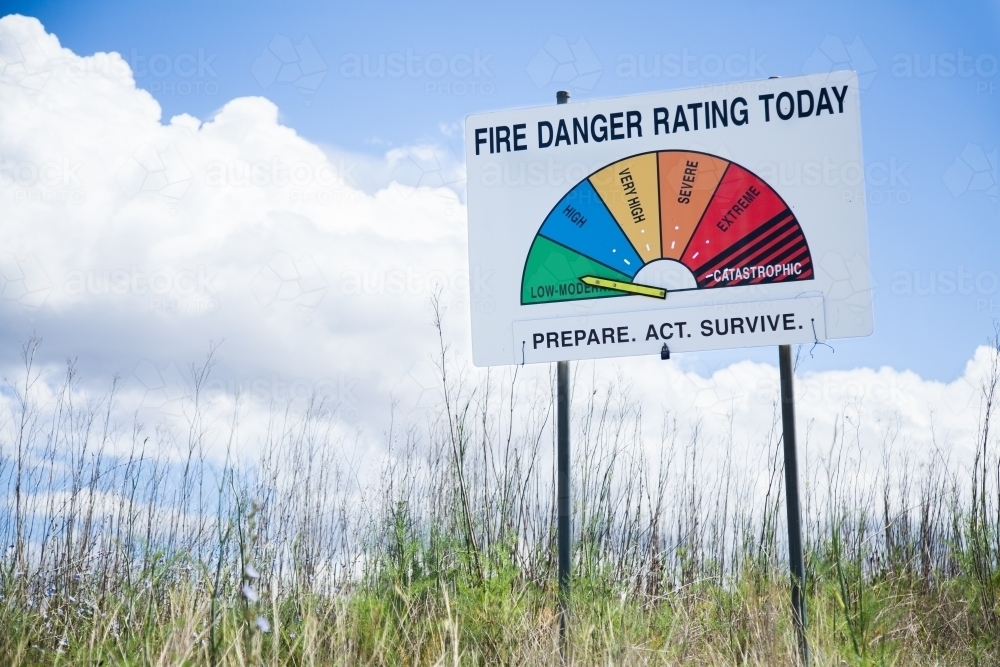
x=131, y=546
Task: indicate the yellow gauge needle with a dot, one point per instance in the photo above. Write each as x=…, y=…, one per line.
x=631, y=288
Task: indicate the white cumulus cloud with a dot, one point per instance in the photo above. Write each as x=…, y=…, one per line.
x=131, y=241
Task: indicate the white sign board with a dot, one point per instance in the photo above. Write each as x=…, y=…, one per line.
x=718, y=217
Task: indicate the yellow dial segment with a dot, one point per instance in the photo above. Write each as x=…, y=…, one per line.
x=630, y=190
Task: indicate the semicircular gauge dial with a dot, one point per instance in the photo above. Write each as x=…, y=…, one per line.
x=709, y=216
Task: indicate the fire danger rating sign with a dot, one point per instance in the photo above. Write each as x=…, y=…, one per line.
x=608, y=228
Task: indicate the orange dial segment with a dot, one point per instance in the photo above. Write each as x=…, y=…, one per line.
x=687, y=183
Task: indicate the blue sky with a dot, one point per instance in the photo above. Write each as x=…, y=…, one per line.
x=930, y=106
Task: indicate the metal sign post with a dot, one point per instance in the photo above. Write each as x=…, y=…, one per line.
x=795, y=560
x=564, y=525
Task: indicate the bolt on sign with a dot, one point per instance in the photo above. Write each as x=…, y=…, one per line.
x=609, y=228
